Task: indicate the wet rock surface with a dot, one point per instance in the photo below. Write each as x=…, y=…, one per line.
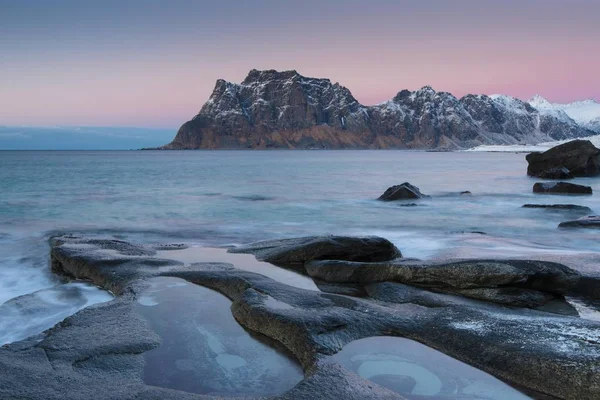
x=579, y=157
x=593, y=221
x=518, y=283
x=405, y=191
x=561, y=188
x=104, y=346
x=300, y=250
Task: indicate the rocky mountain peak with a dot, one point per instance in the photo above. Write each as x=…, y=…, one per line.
x=539, y=101
x=286, y=109
x=258, y=76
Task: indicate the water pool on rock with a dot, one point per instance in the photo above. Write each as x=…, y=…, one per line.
x=204, y=350
x=420, y=372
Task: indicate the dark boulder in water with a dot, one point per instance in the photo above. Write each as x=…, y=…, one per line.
x=579, y=157
x=402, y=192
x=593, y=221
x=300, y=250
x=561, y=188
x=572, y=207
x=556, y=173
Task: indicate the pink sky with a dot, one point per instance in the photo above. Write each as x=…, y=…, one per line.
x=91, y=67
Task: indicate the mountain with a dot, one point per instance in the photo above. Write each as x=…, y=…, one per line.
x=585, y=113
x=272, y=109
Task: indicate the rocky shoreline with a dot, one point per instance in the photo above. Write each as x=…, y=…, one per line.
x=546, y=355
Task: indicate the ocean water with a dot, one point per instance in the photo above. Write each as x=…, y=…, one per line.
x=231, y=197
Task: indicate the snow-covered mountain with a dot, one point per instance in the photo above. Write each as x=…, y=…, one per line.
x=585, y=113
x=272, y=109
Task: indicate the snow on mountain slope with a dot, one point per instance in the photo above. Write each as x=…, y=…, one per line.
x=585, y=113
x=528, y=148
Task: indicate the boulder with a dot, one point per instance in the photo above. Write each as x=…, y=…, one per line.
x=402, y=192
x=579, y=157
x=301, y=250
x=572, y=207
x=592, y=221
x=555, y=173
x=561, y=188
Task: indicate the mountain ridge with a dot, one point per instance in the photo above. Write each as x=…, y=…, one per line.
x=586, y=113
x=273, y=109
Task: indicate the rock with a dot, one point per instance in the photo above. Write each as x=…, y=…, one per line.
x=105, y=346
x=300, y=250
x=545, y=276
x=555, y=173
x=588, y=287
x=561, y=188
x=283, y=109
x=111, y=264
x=593, y=221
x=572, y=207
x=510, y=296
x=402, y=192
x=518, y=283
x=580, y=157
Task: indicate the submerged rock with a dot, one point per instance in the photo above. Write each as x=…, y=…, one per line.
x=561, y=188
x=404, y=191
x=300, y=250
x=572, y=207
x=579, y=157
x=593, y=221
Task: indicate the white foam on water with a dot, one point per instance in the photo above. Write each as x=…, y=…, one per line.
x=33, y=313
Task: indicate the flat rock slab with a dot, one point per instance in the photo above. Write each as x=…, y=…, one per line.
x=104, y=346
x=519, y=283
x=405, y=191
x=561, y=188
x=301, y=250
x=579, y=157
x=593, y=221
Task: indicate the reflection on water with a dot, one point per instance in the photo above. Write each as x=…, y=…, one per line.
x=419, y=372
x=241, y=261
x=204, y=350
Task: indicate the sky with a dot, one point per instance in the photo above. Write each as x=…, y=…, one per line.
x=150, y=63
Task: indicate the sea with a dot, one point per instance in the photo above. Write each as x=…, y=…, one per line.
x=222, y=198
